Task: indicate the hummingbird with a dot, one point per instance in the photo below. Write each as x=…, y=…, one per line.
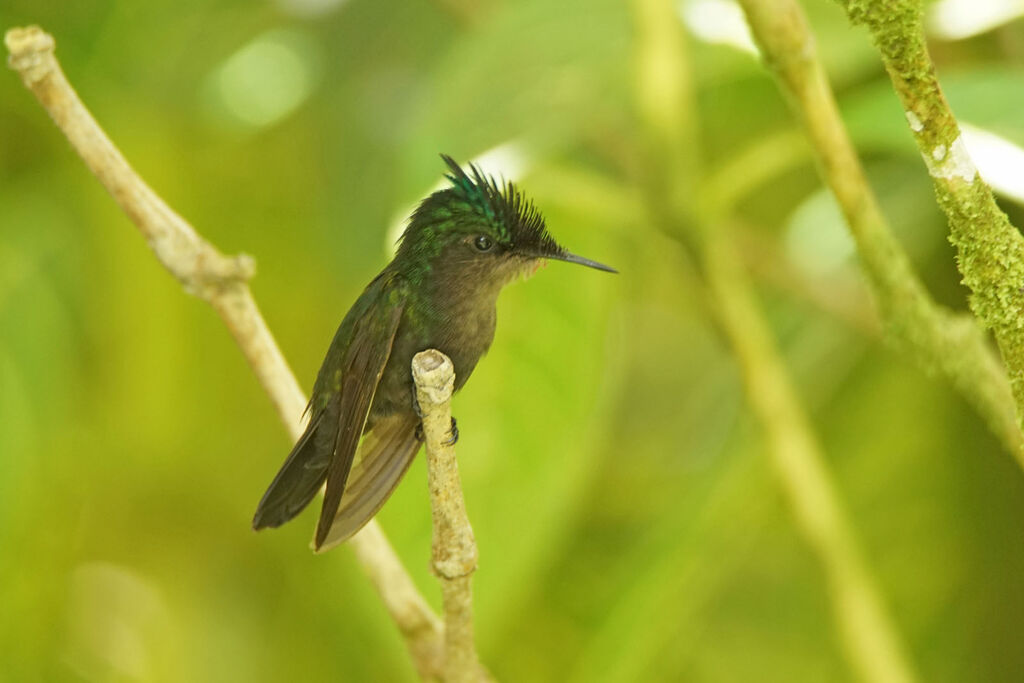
x=460, y=247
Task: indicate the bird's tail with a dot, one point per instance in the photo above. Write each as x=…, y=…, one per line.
x=302, y=474
x=384, y=457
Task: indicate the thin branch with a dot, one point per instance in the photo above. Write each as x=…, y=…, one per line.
x=936, y=338
x=221, y=281
x=990, y=251
x=868, y=635
x=453, y=555
x=665, y=101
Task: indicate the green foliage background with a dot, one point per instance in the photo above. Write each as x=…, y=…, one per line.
x=628, y=526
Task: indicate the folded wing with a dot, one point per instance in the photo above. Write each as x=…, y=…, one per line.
x=385, y=455
x=362, y=366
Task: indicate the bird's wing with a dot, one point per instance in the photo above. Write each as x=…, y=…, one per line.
x=361, y=368
x=306, y=467
x=385, y=455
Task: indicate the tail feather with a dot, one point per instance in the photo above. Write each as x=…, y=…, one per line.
x=385, y=455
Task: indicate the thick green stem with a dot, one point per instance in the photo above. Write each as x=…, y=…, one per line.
x=935, y=337
x=990, y=251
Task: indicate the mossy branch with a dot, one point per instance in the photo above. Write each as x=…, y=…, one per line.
x=221, y=281
x=937, y=339
x=990, y=251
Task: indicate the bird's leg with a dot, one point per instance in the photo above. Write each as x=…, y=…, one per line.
x=453, y=437
x=419, y=413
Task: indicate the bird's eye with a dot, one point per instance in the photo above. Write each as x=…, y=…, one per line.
x=483, y=243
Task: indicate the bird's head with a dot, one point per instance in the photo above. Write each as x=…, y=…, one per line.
x=479, y=229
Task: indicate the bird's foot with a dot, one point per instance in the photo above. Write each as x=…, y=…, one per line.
x=453, y=434
x=453, y=437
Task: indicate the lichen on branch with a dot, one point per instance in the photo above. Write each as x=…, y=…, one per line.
x=934, y=337
x=990, y=251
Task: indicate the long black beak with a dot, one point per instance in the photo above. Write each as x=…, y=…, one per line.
x=573, y=258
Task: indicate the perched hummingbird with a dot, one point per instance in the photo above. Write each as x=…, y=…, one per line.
x=460, y=247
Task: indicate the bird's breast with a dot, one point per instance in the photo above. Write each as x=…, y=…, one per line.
x=461, y=332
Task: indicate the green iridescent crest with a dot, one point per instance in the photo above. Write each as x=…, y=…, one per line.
x=475, y=205
x=513, y=215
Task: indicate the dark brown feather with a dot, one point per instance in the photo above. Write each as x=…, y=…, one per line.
x=301, y=475
x=384, y=456
x=364, y=363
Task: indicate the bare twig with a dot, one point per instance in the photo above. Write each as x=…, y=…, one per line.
x=454, y=553
x=221, y=281
x=990, y=250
